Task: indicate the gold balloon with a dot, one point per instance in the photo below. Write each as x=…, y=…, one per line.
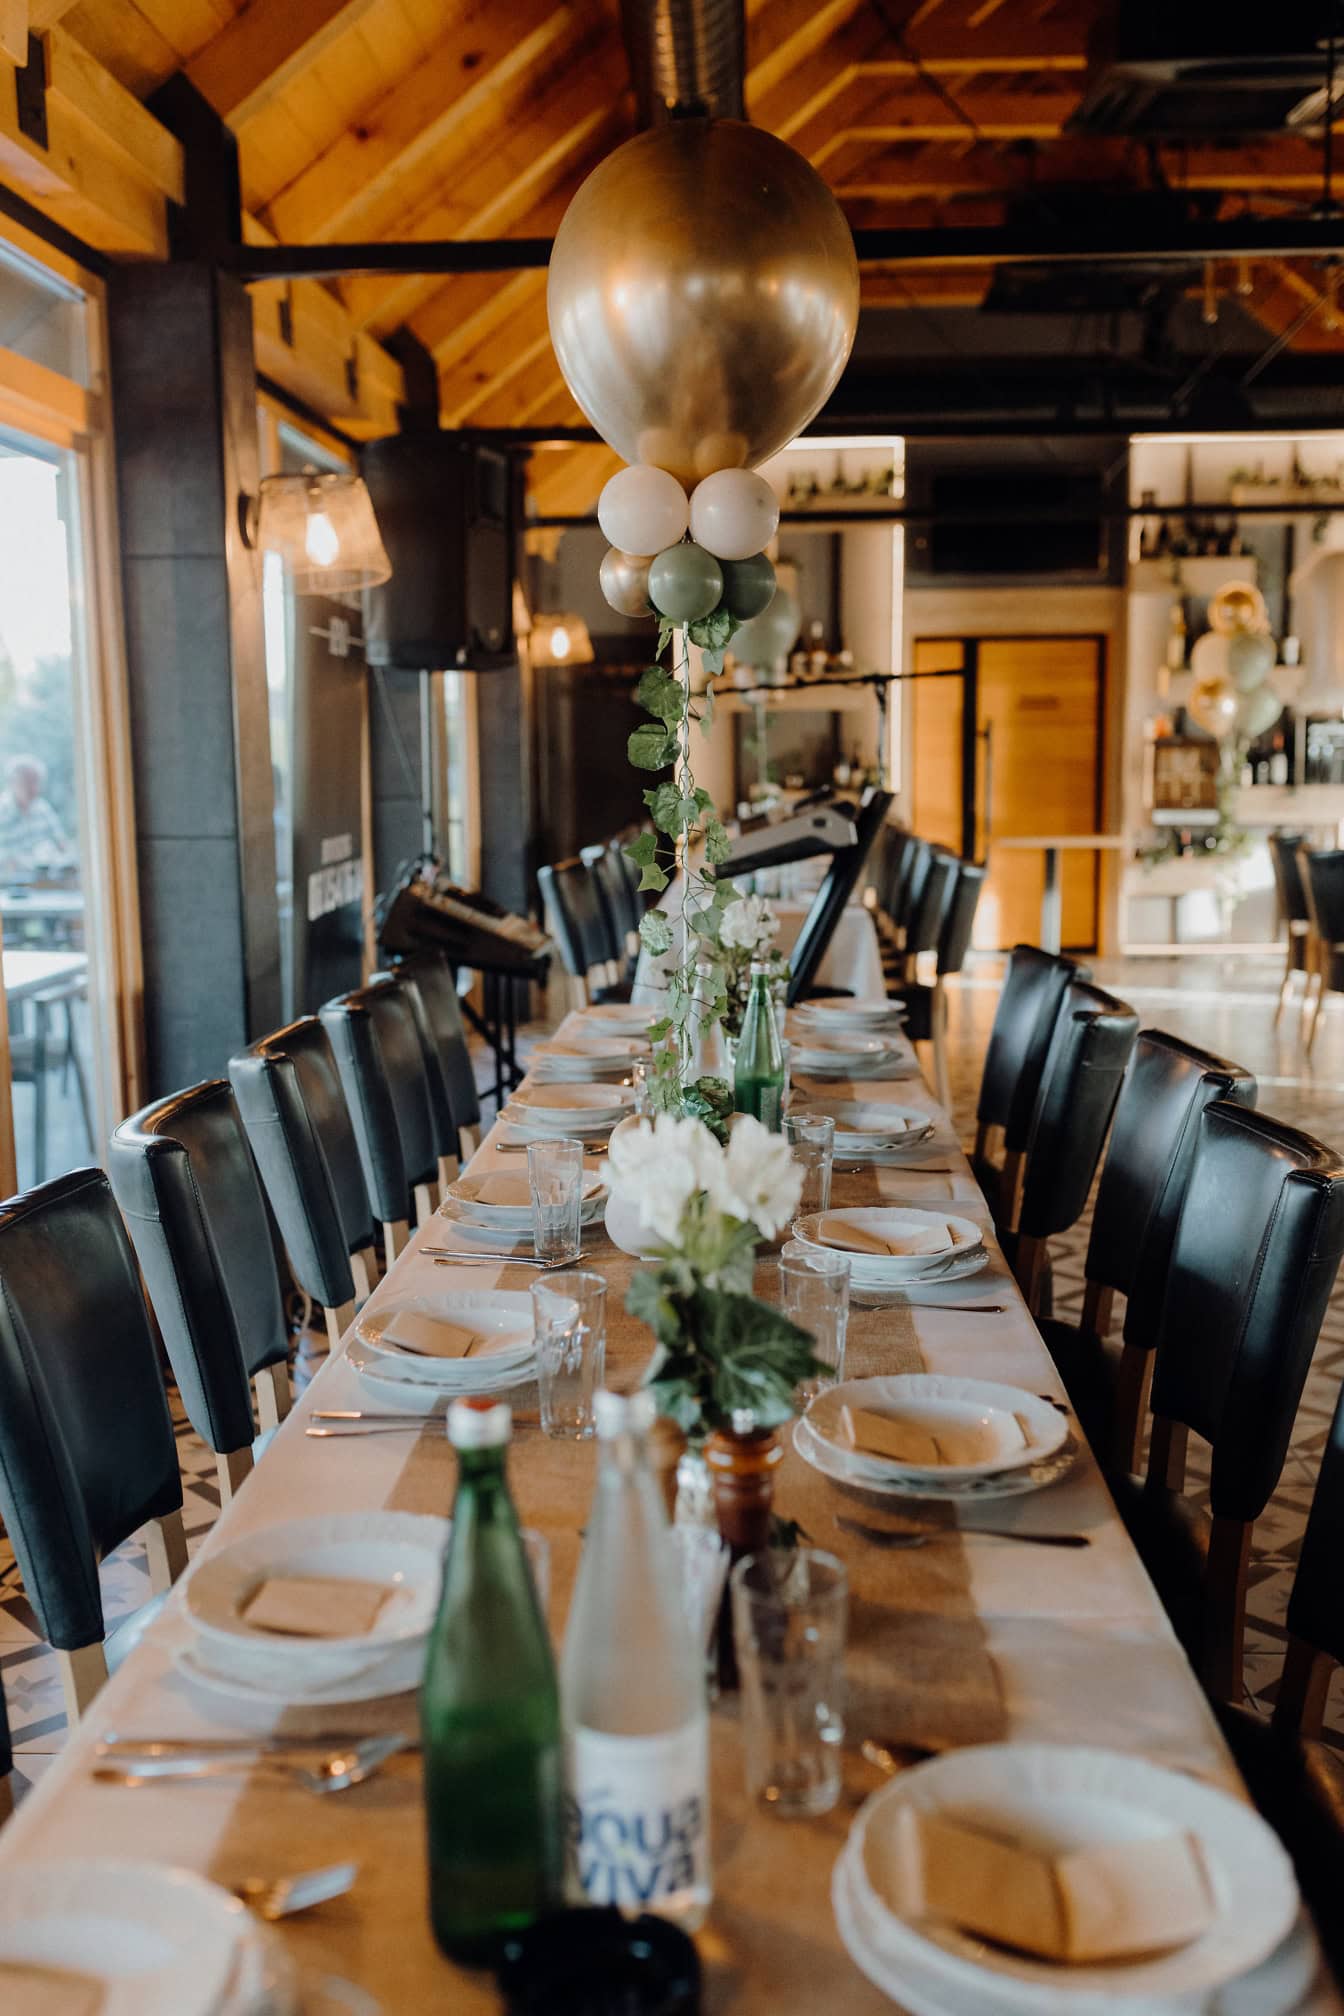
x=703, y=296
x=1213, y=704
x=624, y=578
x=1237, y=607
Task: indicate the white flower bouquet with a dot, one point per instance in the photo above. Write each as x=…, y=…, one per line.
x=747, y=932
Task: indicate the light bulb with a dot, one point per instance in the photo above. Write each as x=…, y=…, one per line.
x=560, y=642
x=320, y=540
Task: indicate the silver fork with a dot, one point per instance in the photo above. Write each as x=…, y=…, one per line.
x=336, y=1772
x=282, y=1896
x=883, y=1536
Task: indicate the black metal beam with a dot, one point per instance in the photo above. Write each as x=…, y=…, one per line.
x=1046, y=244
x=822, y=520
x=60, y=240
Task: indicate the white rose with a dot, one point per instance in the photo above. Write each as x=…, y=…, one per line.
x=660, y=1167
x=759, y=1179
x=748, y=925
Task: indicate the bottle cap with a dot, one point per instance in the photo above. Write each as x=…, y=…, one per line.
x=744, y=1421
x=623, y=1413
x=759, y=966
x=479, y=1424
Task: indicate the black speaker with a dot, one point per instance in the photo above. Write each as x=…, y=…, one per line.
x=445, y=506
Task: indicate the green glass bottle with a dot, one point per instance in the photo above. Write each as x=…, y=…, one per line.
x=489, y=1715
x=758, y=1079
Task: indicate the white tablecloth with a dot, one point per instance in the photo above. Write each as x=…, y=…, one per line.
x=853, y=958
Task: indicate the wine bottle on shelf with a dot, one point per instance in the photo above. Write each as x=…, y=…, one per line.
x=1176, y=636
x=633, y=1686
x=758, y=1080
x=490, y=1715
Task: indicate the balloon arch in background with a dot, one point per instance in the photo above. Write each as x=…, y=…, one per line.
x=703, y=296
x=1233, y=698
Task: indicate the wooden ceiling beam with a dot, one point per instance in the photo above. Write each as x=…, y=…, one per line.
x=264, y=48
x=497, y=305
x=465, y=79
x=781, y=34
x=466, y=391
x=117, y=35
x=934, y=172
x=568, y=480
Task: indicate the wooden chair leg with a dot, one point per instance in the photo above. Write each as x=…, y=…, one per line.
x=166, y=1546
x=1098, y=1302
x=364, y=1269
x=468, y=1142
x=396, y=1236
x=1167, y=1448
x=938, y=1022
x=1010, y=1187
x=426, y=1196
x=1225, y=1607
x=82, y=1672
x=1029, y=1264
x=449, y=1171
x=1131, y=1409
x=338, y=1322
x=1303, y=1688
x=232, y=1466
x=272, y=1387
x=6, y=1797
x=1288, y=971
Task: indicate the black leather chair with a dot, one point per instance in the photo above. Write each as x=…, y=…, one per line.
x=620, y=912
x=438, y=1091
x=1255, y=1255
x=1322, y=873
x=6, y=1762
x=289, y=1095
x=1292, y=901
x=922, y=923
x=188, y=1188
x=1094, y=1035
x=87, y=1454
x=434, y=980
x=842, y=878
x=927, y=1005
x=380, y=1056
x=1034, y=986
x=1166, y=1088
x=578, y=923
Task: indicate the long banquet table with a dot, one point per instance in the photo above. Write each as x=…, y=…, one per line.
x=974, y=1638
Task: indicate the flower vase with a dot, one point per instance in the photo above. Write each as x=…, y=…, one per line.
x=626, y=1227
x=742, y=1461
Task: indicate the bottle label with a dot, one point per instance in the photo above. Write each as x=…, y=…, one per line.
x=638, y=1818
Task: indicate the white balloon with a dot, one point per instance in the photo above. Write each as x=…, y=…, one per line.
x=734, y=513
x=1250, y=659
x=1208, y=659
x=643, y=510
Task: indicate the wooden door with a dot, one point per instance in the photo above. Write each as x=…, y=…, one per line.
x=939, y=726
x=1041, y=700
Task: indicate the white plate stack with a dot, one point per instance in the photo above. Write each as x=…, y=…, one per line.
x=580, y=1112
x=567, y=1060
x=943, y=1437
x=1252, y=1957
x=871, y=1131
x=502, y=1352
x=496, y=1208
x=892, y=1248
x=844, y=1055
x=873, y=1016
x=398, y=1552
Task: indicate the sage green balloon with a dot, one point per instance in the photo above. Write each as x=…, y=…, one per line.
x=685, y=582
x=748, y=586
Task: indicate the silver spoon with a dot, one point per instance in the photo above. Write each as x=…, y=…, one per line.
x=282, y=1896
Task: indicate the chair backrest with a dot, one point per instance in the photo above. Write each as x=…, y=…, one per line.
x=87, y=1453
x=1252, y=1264
x=438, y=1084
x=613, y=896
x=887, y=865
x=379, y=1054
x=289, y=1095
x=828, y=904
x=188, y=1188
x=1322, y=872
x=575, y=917
x=924, y=919
x=1283, y=852
x=435, y=980
x=954, y=938
x=1094, y=1035
x=914, y=868
x=1315, y=1613
x=1034, y=986
x=1165, y=1090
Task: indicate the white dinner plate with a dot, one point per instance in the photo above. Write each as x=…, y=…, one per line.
x=865, y=1126
x=159, y=1941
x=1015, y=1428
x=887, y=1062
x=1003, y=1484
x=834, y=1051
x=873, y=1011
x=609, y=1049
x=504, y=1197
x=210, y=1665
x=521, y=1127
x=891, y=1269
x=401, y=1551
x=616, y=1014
x=420, y=1391
x=501, y=1228
x=1061, y=1796
x=556, y=1104
x=502, y=1319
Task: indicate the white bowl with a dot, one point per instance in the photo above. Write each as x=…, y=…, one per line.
x=881, y=1269
x=502, y=1317
x=985, y=1406
x=417, y=1391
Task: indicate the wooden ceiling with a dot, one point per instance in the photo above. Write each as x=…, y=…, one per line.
x=404, y=119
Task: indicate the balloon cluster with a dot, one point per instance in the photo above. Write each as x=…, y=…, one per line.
x=1232, y=666
x=719, y=572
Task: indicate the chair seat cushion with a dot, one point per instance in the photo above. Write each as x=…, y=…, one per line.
x=1090, y=1372
x=1299, y=1788
x=1171, y=1533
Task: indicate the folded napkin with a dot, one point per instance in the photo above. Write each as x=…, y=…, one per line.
x=315, y=1606
x=503, y=1187
x=429, y=1336
x=924, y=1235
x=1114, y=1900
x=29, y=1990
x=906, y=1439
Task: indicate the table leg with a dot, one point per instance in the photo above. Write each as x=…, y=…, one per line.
x=1052, y=904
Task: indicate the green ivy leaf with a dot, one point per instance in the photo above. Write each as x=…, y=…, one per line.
x=707, y=717
x=651, y=747
x=713, y=631
x=658, y=693
x=655, y=932
x=666, y=628
x=717, y=844
x=664, y=802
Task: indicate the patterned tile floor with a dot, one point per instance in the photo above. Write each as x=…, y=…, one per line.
x=1226, y=1006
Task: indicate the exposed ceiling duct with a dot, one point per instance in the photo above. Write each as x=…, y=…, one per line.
x=1209, y=70
x=687, y=58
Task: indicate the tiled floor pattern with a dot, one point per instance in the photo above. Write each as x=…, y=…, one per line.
x=1224, y=1006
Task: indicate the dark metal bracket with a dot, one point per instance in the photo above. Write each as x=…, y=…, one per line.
x=30, y=93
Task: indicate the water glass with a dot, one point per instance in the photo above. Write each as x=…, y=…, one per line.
x=790, y=1614
x=555, y=1171
x=569, y=1314
x=641, y=1080
x=811, y=1136
x=814, y=1294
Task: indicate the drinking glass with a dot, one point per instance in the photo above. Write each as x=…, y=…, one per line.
x=555, y=1171
x=812, y=1139
x=790, y=1612
x=641, y=1073
x=814, y=1294
x=786, y=1053
x=569, y=1313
